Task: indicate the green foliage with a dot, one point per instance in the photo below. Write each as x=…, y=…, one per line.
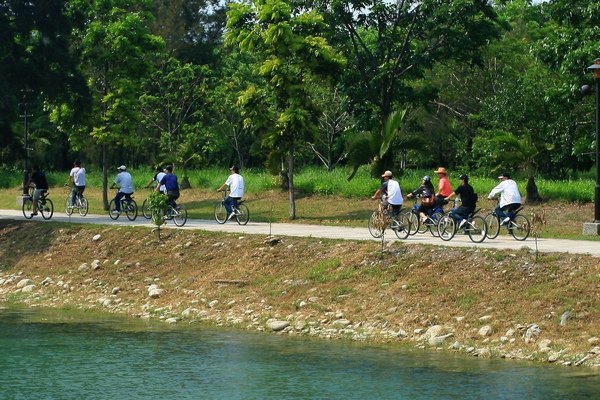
x=157, y=204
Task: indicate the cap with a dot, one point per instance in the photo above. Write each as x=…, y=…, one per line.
x=121, y=168
x=504, y=175
x=169, y=168
x=387, y=173
x=463, y=176
x=234, y=168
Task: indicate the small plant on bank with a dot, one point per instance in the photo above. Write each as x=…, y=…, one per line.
x=157, y=204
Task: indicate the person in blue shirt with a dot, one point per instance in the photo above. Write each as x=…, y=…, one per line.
x=125, y=183
x=169, y=181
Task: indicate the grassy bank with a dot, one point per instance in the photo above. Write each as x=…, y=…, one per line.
x=477, y=301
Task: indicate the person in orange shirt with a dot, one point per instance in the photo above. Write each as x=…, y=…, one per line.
x=444, y=187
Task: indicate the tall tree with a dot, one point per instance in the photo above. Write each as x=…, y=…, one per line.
x=117, y=52
x=293, y=54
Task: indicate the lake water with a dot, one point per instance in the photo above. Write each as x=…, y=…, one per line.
x=53, y=355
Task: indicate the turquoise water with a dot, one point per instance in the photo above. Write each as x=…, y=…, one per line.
x=45, y=355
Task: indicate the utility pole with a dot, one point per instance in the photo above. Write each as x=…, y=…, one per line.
x=26, y=116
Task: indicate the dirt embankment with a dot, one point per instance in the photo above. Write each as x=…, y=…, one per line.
x=488, y=303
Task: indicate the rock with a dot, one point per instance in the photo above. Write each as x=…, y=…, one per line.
x=213, y=303
x=532, y=332
x=459, y=319
x=155, y=293
x=565, y=317
x=553, y=357
x=503, y=339
x=485, y=330
x=302, y=304
x=455, y=346
x=187, y=312
x=485, y=318
x=106, y=302
x=47, y=281
x=593, y=341
x=418, y=331
x=510, y=333
x=341, y=323
x=95, y=264
x=276, y=325
x=433, y=331
x=171, y=320
x=484, y=352
x=438, y=340
x=595, y=350
x=544, y=345
x=28, y=289
x=401, y=333
x=313, y=299
x=405, y=287
x=96, y=238
x=24, y=282
x=300, y=325
x=82, y=267
x=115, y=290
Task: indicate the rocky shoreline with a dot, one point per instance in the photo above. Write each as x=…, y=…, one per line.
x=395, y=311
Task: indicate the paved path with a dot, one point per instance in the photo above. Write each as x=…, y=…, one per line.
x=333, y=232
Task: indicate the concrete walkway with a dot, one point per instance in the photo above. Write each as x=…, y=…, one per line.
x=332, y=232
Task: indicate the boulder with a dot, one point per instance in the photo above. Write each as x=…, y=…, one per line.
x=485, y=330
x=28, y=289
x=277, y=325
x=24, y=282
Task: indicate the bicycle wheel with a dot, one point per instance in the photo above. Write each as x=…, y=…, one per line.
x=520, y=227
x=376, y=224
x=435, y=219
x=111, y=210
x=476, y=229
x=145, y=210
x=27, y=207
x=493, y=226
x=131, y=209
x=220, y=213
x=82, y=206
x=401, y=226
x=446, y=228
x=244, y=214
x=414, y=222
x=68, y=209
x=46, y=208
x=180, y=215
x=423, y=226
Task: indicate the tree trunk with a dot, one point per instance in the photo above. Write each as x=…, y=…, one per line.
x=290, y=157
x=185, y=183
x=533, y=195
x=104, y=178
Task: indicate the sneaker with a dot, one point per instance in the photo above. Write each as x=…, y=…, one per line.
x=231, y=216
x=33, y=213
x=116, y=212
x=462, y=223
x=505, y=221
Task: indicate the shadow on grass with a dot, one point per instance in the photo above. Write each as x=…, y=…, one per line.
x=21, y=239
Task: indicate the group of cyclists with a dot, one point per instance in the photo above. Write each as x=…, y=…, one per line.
x=391, y=194
x=164, y=181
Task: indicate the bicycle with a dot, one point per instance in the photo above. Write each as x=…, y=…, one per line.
x=518, y=225
x=146, y=207
x=241, y=212
x=382, y=218
x=474, y=226
x=433, y=215
x=81, y=204
x=45, y=206
x=128, y=205
x=178, y=214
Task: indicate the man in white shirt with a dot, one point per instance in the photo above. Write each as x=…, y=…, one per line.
x=390, y=190
x=236, y=190
x=510, y=198
x=125, y=184
x=77, y=179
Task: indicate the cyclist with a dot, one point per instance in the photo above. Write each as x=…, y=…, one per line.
x=37, y=178
x=126, y=189
x=170, y=185
x=444, y=186
x=468, y=199
x=427, y=193
x=77, y=179
x=157, y=178
x=236, y=190
x=510, y=198
x=390, y=191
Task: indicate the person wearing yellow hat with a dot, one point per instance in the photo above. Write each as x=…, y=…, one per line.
x=444, y=186
x=391, y=192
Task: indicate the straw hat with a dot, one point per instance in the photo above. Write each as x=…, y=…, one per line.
x=441, y=170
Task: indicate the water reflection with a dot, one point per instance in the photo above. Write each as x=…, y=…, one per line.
x=42, y=355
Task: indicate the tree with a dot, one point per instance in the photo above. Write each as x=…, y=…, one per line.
x=390, y=44
x=293, y=54
x=117, y=51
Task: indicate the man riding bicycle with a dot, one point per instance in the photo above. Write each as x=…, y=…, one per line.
x=170, y=185
x=37, y=178
x=390, y=191
x=77, y=179
x=236, y=190
x=160, y=173
x=468, y=199
x=126, y=189
x=510, y=198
